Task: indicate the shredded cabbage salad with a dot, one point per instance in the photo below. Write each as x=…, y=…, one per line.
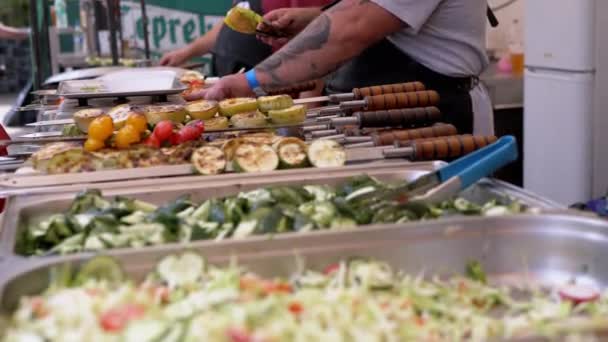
x=184, y=299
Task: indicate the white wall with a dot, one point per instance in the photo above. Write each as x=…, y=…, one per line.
x=497, y=38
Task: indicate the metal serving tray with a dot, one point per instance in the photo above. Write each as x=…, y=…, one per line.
x=514, y=250
x=25, y=208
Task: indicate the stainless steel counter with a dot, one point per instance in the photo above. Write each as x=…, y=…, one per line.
x=506, y=89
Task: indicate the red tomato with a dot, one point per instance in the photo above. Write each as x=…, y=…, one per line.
x=38, y=307
x=163, y=130
x=296, y=308
x=198, y=124
x=331, y=269
x=238, y=335
x=116, y=319
x=152, y=141
x=175, y=139
x=276, y=287
x=189, y=133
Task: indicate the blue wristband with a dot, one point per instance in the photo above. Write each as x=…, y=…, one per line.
x=251, y=79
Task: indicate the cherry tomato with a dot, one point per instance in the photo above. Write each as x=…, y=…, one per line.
x=115, y=320
x=126, y=136
x=331, y=269
x=189, y=133
x=198, y=124
x=152, y=141
x=174, y=139
x=238, y=335
x=138, y=121
x=295, y=308
x=163, y=130
x=92, y=145
x=101, y=128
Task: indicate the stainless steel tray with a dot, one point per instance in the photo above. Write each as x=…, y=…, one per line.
x=514, y=250
x=73, y=90
x=22, y=208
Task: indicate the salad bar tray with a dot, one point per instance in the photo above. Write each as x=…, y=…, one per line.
x=29, y=212
x=517, y=251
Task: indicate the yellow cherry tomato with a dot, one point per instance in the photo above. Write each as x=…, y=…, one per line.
x=126, y=136
x=92, y=145
x=101, y=128
x=138, y=121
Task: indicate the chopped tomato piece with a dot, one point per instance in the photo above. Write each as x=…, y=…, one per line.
x=238, y=335
x=420, y=321
x=277, y=287
x=296, y=308
x=331, y=269
x=38, y=307
x=115, y=320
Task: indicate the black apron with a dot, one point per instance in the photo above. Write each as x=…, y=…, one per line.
x=384, y=63
x=234, y=50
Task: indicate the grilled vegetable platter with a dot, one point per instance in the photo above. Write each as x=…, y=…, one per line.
x=235, y=112
x=254, y=152
x=357, y=299
x=93, y=223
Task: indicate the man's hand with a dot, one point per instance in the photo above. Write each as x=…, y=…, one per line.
x=175, y=58
x=290, y=21
x=227, y=87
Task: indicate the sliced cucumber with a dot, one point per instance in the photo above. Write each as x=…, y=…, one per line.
x=100, y=268
x=277, y=102
x=292, y=153
x=208, y=160
x=178, y=270
x=238, y=105
x=247, y=120
x=292, y=115
x=255, y=158
x=220, y=122
x=326, y=153
x=202, y=110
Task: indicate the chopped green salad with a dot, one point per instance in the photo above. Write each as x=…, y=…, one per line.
x=93, y=223
x=186, y=299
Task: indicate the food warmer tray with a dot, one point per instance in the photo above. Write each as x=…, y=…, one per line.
x=514, y=250
x=26, y=207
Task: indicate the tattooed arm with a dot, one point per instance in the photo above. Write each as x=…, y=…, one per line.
x=336, y=36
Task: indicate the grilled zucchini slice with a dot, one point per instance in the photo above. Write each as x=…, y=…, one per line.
x=238, y=105
x=221, y=122
x=326, y=153
x=248, y=120
x=208, y=160
x=255, y=158
x=202, y=110
x=292, y=115
x=276, y=102
x=292, y=153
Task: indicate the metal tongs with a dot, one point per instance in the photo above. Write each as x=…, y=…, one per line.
x=450, y=179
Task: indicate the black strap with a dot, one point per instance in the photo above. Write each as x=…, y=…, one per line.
x=492, y=17
x=330, y=5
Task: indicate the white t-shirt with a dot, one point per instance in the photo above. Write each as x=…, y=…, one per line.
x=448, y=37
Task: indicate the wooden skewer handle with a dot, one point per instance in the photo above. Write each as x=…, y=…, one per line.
x=449, y=147
x=402, y=135
x=402, y=100
x=406, y=117
x=360, y=93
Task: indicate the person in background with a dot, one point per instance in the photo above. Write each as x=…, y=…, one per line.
x=232, y=50
x=366, y=42
x=8, y=32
